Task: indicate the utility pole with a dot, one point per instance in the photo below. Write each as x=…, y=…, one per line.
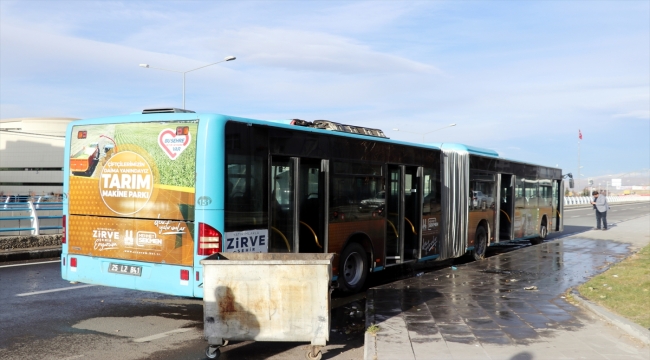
x=579, y=140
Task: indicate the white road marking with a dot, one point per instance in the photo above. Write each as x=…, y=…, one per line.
x=54, y=290
x=161, y=335
x=36, y=263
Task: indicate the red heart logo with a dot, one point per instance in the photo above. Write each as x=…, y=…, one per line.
x=172, y=144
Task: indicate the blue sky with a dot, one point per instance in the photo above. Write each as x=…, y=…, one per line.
x=519, y=77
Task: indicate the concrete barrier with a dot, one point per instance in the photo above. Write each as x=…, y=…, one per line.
x=29, y=241
x=30, y=247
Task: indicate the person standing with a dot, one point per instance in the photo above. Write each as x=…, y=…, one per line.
x=601, y=206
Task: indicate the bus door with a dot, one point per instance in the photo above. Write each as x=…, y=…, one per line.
x=403, y=208
x=507, y=207
x=558, y=204
x=412, y=212
x=312, y=181
x=282, y=204
x=297, y=210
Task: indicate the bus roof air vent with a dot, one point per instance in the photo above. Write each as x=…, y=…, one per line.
x=165, y=111
x=334, y=126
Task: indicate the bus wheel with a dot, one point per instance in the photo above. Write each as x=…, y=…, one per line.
x=543, y=232
x=480, y=243
x=353, y=268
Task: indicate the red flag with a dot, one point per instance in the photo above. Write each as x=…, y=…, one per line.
x=579, y=134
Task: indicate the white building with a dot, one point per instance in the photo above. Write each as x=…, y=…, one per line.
x=31, y=155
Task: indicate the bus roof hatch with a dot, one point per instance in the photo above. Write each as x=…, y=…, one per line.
x=165, y=110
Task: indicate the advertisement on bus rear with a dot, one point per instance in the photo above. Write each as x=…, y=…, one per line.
x=131, y=192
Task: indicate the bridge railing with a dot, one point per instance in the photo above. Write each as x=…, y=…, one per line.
x=28, y=218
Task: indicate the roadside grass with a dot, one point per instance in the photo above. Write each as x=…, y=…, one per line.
x=373, y=329
x=624, y=288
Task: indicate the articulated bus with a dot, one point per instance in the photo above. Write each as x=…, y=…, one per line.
x=151, y=194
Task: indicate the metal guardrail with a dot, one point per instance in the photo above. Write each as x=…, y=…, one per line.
x=27, y=212
x=26, y=216
x=586, y=200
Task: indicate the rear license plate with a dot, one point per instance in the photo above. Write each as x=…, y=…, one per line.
x=125, y=269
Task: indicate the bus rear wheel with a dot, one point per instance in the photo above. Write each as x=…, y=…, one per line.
x=353, y=268
x=480, y=243
x=543, y=232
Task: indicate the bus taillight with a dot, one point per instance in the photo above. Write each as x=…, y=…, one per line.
x=73, y=262
x=63, y=230
x=185, y=275
x=209, y=240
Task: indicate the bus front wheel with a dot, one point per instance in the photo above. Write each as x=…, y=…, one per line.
x=480, y=243
x=353, y=268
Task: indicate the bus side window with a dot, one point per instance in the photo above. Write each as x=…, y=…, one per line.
x=520, y=199
x=431, y=197
x=244, y=199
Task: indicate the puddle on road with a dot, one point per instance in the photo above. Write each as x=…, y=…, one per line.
x=349, y=320
x=514, y=298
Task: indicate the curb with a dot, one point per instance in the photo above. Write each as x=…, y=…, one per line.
x=30, y=253
x=369, y=346
x=632, y=329
x=369, y=340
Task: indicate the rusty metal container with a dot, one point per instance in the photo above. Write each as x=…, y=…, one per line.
x=267, y=297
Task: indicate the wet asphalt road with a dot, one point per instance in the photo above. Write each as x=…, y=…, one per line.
x=106, y=323
x=513, y=299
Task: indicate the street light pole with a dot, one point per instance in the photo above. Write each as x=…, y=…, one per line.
x=426, y=133
x=227, y=58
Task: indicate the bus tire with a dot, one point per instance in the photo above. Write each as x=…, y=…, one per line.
x=480, y=243
x=353, y=268
x=543, y=232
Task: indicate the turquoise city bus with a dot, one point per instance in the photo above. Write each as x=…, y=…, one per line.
x=149, y=195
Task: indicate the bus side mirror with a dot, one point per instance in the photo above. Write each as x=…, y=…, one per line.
x=571, y=183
